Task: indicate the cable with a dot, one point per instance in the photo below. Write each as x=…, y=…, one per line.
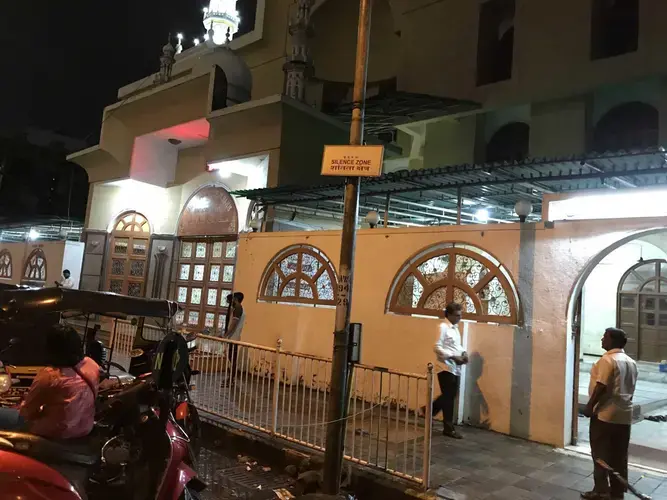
x=333, y=421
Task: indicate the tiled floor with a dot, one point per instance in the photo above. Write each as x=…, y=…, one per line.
x=486, y=465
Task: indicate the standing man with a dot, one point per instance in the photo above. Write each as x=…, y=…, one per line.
x=450, y=356
x=612, y=386
x=233, y=329
x=66, y=281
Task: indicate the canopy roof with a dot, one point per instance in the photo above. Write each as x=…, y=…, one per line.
x=430, y=196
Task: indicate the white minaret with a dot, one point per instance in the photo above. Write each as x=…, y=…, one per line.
x=221, y=20
x=299, y=67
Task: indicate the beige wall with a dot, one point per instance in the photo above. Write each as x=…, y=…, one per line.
x=53, y=250
x=513, y=363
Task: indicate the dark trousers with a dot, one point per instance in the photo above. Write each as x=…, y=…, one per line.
x=233, y=355
x=449, y=388
x=609, y=442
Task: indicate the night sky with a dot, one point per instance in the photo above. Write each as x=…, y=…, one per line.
x=63, y=60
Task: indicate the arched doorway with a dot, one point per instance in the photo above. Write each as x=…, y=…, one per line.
x=509, y=143
x=641, y=277
x=208, y=234
x=128, y=255
x=642, y=310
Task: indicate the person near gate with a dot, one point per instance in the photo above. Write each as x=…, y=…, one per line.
x=235, y=321
x=450, y=356
x=611, y=389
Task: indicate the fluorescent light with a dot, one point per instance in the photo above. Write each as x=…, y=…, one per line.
x=618, y=205
x=482, y=215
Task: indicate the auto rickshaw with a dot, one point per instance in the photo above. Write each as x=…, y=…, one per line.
x=26, y=312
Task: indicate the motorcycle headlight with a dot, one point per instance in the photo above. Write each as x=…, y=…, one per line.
x=5, y=383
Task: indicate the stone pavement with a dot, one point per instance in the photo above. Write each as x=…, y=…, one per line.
x=486, y=465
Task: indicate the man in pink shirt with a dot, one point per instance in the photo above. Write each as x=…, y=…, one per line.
x=61, y=401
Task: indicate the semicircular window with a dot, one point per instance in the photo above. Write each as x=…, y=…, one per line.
x=300, y=274
x=455, y=273
x=5, y=264
x=34, y=271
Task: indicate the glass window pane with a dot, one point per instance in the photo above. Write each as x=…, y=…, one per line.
x=184, y=273
x=648, y=319
x=186, y=249
x=217, y=249
x=200, y=251
x=212, y=297
x=118, y=267
x=198, y=274
x=230, y=253
x=209, y=320
x=139, y=247
x=214, y=275
x=649, y=303
x=193, y=318
x=195, y=296
x=179, y=317
x=228, y=274
x=182, y=294
x=120, y=245
x=137, y=268
x=116, y=286
x=223, y=297
x=134, y=289
x=628, y=302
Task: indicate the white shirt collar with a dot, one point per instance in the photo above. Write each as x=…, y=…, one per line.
x=448, y=324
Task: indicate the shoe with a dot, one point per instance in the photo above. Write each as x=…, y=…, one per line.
x=594, y=495
x=452, y=434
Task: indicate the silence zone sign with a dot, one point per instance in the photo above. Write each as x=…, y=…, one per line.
x=353, y=161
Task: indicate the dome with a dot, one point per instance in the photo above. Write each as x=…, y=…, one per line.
x=239, y=77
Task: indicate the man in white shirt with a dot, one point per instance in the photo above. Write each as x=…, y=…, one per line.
x=66, y=281
x=449, y=358
x=612, y=386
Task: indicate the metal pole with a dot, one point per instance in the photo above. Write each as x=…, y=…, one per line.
x=333, y=457
x=386, y=211
x=428, y=428
x=459, y=205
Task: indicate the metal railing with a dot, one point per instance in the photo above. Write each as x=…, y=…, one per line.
x=285, y=394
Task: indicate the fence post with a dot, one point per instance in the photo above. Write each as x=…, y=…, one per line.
x=276, y=388
x=428, y=426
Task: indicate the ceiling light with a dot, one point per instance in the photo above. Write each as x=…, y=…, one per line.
x=482, y=215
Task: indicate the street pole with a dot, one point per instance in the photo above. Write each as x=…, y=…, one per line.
x=333, y=457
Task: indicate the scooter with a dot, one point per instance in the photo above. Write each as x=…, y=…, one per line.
x=137, y=451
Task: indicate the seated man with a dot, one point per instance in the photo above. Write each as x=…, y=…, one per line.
x=61, y=401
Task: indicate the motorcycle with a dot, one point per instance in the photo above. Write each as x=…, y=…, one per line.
x=137, y=450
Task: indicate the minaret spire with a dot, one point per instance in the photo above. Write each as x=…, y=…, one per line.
x=299, y=67
x=221, y=20
x=166, y=62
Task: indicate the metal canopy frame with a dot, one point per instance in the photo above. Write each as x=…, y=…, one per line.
x=385, y=111
x=432, y=196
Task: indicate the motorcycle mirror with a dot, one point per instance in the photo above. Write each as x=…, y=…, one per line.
x=14, y=341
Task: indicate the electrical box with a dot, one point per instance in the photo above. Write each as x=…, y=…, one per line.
x=355, y=343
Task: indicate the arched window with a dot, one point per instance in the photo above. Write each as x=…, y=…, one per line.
x=642, y=310
x=633, y=125
x=511, y=142
x=128, y=259
x=5, y=264
x=299, y=274
x=34, y=272
x=455, y=272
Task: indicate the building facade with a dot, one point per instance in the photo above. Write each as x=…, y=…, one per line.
x=480, y=88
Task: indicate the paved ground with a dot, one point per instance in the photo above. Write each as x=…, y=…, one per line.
x=492, y=466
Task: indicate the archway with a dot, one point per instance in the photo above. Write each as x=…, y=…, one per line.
x=509, y=143
x=596, y=302
x=633, y=125
x=207, y=234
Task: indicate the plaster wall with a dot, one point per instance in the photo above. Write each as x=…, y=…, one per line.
x=521, y=381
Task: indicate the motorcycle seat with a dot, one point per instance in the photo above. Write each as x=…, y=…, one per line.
x=73, y=452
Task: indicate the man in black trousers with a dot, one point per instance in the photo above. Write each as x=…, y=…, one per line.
x=450, y=356
x=612, y=386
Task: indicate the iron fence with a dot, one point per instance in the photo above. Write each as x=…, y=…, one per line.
x=285, y=394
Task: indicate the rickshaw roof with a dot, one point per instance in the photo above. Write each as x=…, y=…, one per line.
x=45, y=300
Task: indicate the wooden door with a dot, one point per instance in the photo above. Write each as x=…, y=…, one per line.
x=128, y=255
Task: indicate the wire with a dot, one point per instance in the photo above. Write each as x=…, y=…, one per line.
x=334, y=421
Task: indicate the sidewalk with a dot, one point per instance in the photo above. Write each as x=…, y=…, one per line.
x=493, y=466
